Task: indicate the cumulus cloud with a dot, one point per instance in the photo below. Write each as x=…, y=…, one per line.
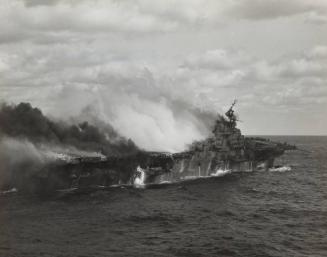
x=293, y=81
x=102, y=16
x=217, y=59
x=57, y=20
x=257, y=9
x=316, y=18
x=166, y=110
x=159, y=70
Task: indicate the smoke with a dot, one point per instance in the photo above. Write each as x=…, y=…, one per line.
x=29, y=141
x=153, y=113
x=25, y=122
x=20, y=159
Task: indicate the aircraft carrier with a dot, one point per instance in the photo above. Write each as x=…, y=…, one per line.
x=226, y=150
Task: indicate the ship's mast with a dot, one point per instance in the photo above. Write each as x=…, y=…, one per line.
x=231, y=116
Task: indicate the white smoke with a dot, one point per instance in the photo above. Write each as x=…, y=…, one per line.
x=19, y=158
x=152, y=116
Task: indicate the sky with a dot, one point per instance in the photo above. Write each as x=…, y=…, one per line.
x=158, y=70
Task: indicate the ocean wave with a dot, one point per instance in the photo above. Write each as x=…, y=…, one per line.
x=10, y=191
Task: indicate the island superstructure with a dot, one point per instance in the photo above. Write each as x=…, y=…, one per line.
x=227, y=149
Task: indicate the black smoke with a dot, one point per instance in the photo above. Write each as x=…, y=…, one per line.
x=30, y=143
x=23, y=121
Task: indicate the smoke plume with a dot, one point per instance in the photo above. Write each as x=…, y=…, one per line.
x=29, y=141
x=155, y=117
x=25, y=122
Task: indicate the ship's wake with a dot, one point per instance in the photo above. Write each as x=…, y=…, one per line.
x=218, y=173
x=10, y=191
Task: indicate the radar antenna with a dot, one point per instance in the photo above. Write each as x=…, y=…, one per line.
x=231, y=116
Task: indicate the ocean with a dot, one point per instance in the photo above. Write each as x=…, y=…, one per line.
x=266, y=213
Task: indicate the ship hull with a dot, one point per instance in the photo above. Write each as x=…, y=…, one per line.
x=192, y=168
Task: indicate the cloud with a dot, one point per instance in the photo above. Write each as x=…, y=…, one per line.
x=316, y=18
x=155, y=106
x=217, y=59
x=311, y=64
x=257, y=9
x=318, y=52
x=137, y=61
x=57, y=17
x=55, y=21
x=292, y=81
x=30, y=3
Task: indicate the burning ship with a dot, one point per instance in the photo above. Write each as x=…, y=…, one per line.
x=226, y=150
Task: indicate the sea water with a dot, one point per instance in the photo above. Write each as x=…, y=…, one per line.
x=245, y=214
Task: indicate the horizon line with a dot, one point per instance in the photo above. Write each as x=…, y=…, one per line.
x=297, y=135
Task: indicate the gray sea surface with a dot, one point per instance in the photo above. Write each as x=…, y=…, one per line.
x=241, y=214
